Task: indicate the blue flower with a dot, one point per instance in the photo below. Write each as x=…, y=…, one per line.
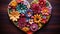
x=29, y=13
x=21, y=8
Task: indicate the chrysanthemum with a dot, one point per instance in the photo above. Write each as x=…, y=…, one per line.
x=14, y=15
x=45, y=11
x=21, y=8
x=36, y=8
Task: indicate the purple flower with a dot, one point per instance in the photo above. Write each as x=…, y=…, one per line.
x=34, y=27
x=29, y=13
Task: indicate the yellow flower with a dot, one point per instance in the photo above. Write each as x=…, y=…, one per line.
x=40, y=25
x=25, y=29
x=35, y=1
x=48, y=17
x=37, y=18
x=13, y=3
x=14, y=15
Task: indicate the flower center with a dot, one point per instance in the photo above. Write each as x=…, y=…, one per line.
x=42, y=2
x=21, y=8
x=37, y=19
x=33, y=26
x=45, y=10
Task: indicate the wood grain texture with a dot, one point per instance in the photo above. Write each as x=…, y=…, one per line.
x=53, y=26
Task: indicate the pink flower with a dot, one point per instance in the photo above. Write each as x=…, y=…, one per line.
x=34, y=27
x=45, y=11
x=36, y=8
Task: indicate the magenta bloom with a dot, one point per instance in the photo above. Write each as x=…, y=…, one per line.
x=22, y=22
x=36, y=8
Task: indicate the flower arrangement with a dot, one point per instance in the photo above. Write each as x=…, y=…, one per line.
x=29, y=17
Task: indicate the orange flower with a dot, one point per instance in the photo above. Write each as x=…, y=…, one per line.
x=25, y=29
x=14, y=15
x=37, y=18
x=13, y=3
x=45, y=11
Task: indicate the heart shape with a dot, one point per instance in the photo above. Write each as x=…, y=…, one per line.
x=29, y=17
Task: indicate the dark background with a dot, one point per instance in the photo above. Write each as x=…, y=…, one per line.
x=53, y=27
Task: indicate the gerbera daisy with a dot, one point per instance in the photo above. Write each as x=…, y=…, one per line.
x=37, y=18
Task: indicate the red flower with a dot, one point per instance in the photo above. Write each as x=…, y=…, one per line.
x=22, y=22
x=18, y=1
x=44, y=21
x=29, y=32
x=42, y=3
x=36, y=8
x=45, y=11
